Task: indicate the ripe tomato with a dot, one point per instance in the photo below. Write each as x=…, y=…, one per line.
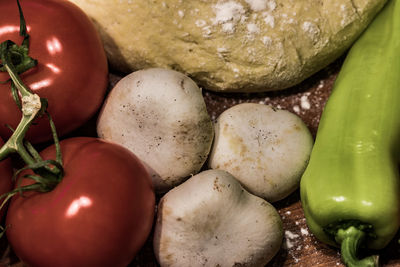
x=6, y=173
x=72, y=69
x=100, y=214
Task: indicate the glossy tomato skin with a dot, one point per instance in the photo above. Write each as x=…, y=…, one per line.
x=99, y=215
x=72, y=71
x=6, y=173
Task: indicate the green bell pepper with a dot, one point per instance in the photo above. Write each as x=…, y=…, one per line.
x=350, y=189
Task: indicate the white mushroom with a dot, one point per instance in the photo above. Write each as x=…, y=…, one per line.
x=266, y=149
x=161, y=116
x=210, y=220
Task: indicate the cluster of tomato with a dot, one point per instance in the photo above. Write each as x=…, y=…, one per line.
x=102, y=211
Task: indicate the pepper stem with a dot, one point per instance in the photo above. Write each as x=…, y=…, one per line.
x=350, y=240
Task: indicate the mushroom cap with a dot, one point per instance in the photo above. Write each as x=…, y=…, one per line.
x=266, y=149
x=211, y=220
x=161, y=116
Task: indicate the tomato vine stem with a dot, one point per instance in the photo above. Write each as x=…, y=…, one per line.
x=31, y=105
x=15, y=60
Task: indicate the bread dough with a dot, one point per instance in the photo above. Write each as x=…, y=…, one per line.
x=230, y=45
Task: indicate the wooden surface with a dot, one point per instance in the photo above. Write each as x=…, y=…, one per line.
x=299, y=247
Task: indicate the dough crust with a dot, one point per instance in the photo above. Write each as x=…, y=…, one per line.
x=230, y=45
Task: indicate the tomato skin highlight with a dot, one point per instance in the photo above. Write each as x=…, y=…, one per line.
x=72, y=70
x=100, y=214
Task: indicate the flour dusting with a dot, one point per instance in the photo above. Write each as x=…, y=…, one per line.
x=311, y=29
x=228, y=14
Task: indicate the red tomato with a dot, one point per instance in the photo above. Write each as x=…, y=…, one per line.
x=99, y=215
x=72, y=69
x=6, y=173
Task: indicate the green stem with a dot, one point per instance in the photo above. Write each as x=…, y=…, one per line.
x=31, y=107
x=22, y=88
x=55, y=138
x=351, y=239
x=15, y=143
